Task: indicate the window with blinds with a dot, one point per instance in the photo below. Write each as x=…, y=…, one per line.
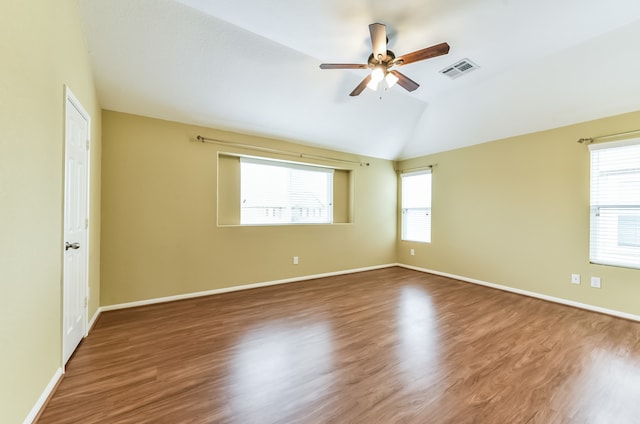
x=273, y=192
x=615, y=203
x=416, y=206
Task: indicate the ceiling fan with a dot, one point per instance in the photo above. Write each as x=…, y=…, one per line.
x=381, y=62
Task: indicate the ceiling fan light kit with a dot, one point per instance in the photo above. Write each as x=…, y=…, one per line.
x=382, y=61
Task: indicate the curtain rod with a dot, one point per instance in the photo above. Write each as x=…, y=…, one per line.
x=603, y=137
x=278, y=151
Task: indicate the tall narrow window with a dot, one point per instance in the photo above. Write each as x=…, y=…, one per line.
x=615, y=204
x=273, y=192
x=416, y=206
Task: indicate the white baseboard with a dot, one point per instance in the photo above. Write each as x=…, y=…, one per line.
x=559, y=300
x=43, y=397
x=94, y=318
x=237, y=288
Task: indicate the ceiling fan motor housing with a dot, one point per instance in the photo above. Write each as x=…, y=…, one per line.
x=386, y=62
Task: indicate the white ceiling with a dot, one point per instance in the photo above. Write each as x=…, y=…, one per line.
x=252, y=66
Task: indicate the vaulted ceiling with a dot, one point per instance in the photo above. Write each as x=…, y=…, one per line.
x=252, y=66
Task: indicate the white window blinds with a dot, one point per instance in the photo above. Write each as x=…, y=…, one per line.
x=273, y=192
x=416, y=206
x=615, y=203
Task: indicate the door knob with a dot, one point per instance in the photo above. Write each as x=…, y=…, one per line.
x=73, y=246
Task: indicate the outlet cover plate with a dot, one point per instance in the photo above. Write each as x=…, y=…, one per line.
x=575, y=278
x=595, y=282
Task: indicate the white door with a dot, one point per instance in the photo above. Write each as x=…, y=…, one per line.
x=75, y=279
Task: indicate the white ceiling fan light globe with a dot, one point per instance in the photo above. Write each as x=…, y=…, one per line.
x=391, y=79
x=377, y=74
x=373, y=84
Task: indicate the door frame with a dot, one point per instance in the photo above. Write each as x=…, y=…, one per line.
x=70, y=100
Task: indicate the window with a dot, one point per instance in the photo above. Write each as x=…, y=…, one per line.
x=273, y=192
x=615, y=204
x=416, y=206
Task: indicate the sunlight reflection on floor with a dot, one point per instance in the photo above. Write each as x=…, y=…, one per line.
x=280, y=363
x=418, y=347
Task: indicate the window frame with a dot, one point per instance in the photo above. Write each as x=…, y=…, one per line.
x=404, y=211
x=601, y=247
x=291, y=166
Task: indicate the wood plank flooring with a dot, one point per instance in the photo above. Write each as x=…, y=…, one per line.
x=386, y=346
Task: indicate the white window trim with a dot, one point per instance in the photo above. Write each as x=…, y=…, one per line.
x=296, y=166
x=596, y=254
x=404, y=211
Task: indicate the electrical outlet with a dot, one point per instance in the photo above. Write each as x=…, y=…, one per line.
x=595, y=282
x=413, y=252
x=575, y=278
x=295, y=260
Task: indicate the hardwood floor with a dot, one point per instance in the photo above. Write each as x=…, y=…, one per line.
x=385, y=346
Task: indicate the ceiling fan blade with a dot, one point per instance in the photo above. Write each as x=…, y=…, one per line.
x=361, y=86
x=378, y=34
x=343, y=66
x=404, y=81
x=428, y=53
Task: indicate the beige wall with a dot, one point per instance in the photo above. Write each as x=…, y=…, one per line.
x=42, y=48
x=159, y=225
x=515, y=212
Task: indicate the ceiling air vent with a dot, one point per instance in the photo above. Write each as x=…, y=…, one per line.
x=459, y=68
